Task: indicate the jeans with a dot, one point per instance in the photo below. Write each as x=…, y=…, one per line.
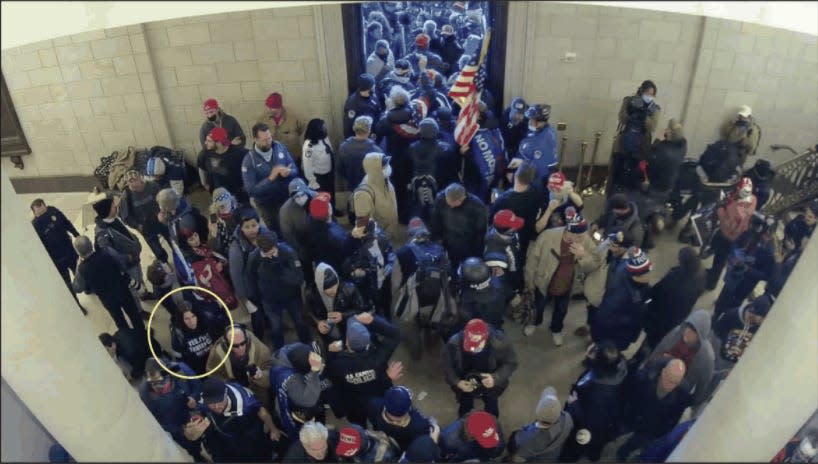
x=274, y=310
x=466, y=401
x=560, y=309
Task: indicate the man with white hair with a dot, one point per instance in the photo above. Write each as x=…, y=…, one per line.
x=315, y=444
x=744, y=132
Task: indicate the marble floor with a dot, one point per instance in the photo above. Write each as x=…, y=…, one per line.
x=540, y=362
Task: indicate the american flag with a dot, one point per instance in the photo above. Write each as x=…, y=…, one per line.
x=466, y=92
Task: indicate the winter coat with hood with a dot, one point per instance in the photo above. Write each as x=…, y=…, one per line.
x=348, y=301
x=377, y=65
x=288, y=131
x=632, y=106
x=535, y=444
x=427, y=152
x=630, y=222
x=296, y=387
x=239, y=253
x=599, y=402
x=542, y=260
x=375, y=197
x=257, y=353
x=698, y=374
x=746, y=136
x=507, y=245
x=620, y=315
x=502, y=359
x=595, y=283
x=293, y=220
x=672, y=299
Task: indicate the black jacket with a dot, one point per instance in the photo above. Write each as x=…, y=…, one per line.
x=100, y=274
x=225, y=170
x=450, y=52
x=275, y=279
x=631, y=223
x=418, y=424
x=528, y=205
x=600, y=398
x=673, y=298
x=132, y=346
x=645, y=412
x=230, y=124
x=355, y=106
x=347, y=301
x=328, y=243
x=53, y=228
x=513, y=134
x=664, y=160
x=502, y=359
x=462, y=229
x=361, y=376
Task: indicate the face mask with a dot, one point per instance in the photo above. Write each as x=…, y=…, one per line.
x=647, y=99
x=213, y=118
x=387, y=171
x=301, y=200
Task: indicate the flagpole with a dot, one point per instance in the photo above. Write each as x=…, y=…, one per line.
x=483, y=52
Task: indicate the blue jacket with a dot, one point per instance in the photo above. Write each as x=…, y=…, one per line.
x=254, y=172
x=540, y=148
x=620, y=314
x=170, y=409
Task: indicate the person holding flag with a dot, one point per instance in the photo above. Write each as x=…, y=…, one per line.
x=483, y=149
x=539, y=147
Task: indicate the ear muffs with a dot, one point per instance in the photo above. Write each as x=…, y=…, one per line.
x=226, y=338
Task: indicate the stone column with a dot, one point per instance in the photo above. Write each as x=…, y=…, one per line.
x=53, y=361
x=773, y=389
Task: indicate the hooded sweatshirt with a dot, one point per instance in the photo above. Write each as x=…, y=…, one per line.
x=375, y=197
x=376, y=65
x=700, y=368
x=537, y=444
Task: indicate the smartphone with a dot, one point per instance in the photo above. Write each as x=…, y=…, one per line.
x=561, y=126
x=213, y=218
x=597, y=236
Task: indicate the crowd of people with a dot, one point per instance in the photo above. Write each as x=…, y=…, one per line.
x=443, y=241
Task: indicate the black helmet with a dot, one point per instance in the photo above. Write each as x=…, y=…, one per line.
x=474, y=273
x=538, y=112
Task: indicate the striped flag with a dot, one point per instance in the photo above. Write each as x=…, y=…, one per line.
x=467, y=120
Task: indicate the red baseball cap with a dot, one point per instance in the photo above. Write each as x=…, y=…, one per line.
x=274, y=101
x=506, y=219
x=219, y=135
x=349, y=442
x=475, y=335
x=482, y=426
x=422, y=40
x=211, y=104
x=556, y=180
x=319, y=208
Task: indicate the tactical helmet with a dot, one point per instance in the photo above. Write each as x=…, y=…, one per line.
x=538, y=112
x=474, y=273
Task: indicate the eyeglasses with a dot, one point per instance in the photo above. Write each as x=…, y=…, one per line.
x=157, y=383
x=239, y=345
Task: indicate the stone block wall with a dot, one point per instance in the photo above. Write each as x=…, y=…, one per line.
x=81, y=97
x=704, y=68
x=239, y=59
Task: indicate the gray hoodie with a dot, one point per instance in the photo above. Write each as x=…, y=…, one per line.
x=536, y=444
x=700, y=370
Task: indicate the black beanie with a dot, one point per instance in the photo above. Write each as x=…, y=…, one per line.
x=330, y=278
x=299, y=357
x=619, y=201
x=103, y=207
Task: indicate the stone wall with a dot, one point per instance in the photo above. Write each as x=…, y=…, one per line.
x=82, y=96
x=704, y=68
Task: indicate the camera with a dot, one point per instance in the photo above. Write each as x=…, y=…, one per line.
x=252, y=370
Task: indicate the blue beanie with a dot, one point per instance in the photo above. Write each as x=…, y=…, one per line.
x=397, y=401
x=358, y=336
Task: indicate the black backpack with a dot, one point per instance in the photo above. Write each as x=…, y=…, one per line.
x=719, y=161
x=431, y=271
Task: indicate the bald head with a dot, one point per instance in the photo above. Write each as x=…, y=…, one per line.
x=672, y=374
